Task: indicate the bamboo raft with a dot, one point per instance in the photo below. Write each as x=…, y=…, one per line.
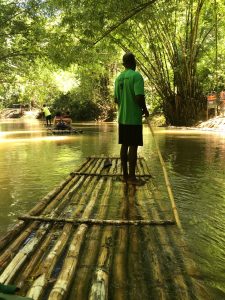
x=95, y=237
x=64, y=131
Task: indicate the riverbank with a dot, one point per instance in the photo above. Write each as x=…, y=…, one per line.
x=216, y=123
x=213, y=124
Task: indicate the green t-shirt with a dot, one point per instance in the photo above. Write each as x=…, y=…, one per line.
x=129, y=84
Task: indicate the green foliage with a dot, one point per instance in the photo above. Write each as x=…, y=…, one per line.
x=67, y=53
x=79, y=108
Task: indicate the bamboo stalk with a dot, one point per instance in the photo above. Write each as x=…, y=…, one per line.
x=33, y=263
x=21, y=256
x=119, y=275
x=154, y=257
x=177, y=247
x=97, y=221
x=68, y=191
x=59, y=291
x=60, y=288
x=99, y=287
x=168, y=275
x=11, y=234
x=100, y=281
x=168, y=186
x=38, y=208
x=80, y=287
x=108, y=175
x=65, y=277
x=138, y=285
x=83, y=277
x=7, y=255
x=4, y=258
x=38, y=287
x=11, y=250
x=44, y=270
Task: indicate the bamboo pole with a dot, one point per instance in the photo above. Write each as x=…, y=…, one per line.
x=80, y=287
x=153, y=257
x=4, y=258
x=168, y=186
x=138, y=287
x=12, y=248
x=65, y=277
x=58, y=248
x=108, y=175
x=68, y=191
x=119, y=275
x=7, y=255
x=98, y=221
x=186, y=271
x=169, y=263
x=60, y=291
x=21, y=256
x=100, y=283
x=83, y=277
x=38, y=208
x=37, y=288
x=33, y=263
x=43, y=273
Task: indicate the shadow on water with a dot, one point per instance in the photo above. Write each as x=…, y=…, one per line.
x=32, y=163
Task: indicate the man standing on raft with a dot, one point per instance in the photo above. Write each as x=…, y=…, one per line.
x=129, y=95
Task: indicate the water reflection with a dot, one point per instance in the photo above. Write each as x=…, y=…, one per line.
x=32, y=163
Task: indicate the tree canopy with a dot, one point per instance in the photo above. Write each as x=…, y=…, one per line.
x=67, y=53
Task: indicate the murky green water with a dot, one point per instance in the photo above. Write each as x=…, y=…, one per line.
x=32, y=163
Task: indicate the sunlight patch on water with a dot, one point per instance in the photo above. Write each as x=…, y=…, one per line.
x=185, y=131
x=5, y=133
x=34, y=139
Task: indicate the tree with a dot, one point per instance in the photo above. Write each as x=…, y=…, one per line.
x=169, y=42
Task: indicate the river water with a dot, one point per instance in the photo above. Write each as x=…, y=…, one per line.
x=32, y=163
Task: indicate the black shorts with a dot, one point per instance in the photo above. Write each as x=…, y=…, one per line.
x=49, y=117
x=130, y=135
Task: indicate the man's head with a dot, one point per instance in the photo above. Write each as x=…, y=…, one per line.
x=44, y=105
x=129, y=61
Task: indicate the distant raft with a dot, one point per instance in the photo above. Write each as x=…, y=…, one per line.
x=64, y=131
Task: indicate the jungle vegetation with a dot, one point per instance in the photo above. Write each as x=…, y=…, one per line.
x=67, y=53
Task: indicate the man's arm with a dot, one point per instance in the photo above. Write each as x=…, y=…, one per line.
x=140, y=99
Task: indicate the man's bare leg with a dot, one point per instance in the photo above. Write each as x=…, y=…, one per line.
x=124, y=156
x=132, y=158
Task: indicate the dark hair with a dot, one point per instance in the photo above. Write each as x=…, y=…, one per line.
x=129, y=60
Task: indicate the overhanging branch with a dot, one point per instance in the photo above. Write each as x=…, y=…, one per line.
x=130, y=15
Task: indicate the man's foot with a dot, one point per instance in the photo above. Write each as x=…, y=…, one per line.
x=135, y=181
